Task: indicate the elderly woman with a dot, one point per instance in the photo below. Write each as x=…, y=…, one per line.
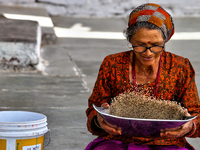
x=147, y=65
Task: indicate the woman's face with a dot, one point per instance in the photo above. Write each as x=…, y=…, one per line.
x=147, y=37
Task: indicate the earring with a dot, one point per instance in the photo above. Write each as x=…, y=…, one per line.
x=129, y=45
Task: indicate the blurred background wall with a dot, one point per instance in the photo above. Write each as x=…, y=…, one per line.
x=107, y=8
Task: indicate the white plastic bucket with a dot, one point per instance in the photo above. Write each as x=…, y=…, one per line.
x=22, y=130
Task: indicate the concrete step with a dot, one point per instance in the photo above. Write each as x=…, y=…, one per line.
x=38, y=14
x=23, y=31
x=20, y=42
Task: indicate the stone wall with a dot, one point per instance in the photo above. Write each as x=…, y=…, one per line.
x=107, y=8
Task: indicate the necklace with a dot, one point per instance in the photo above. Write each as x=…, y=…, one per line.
x=157, y=76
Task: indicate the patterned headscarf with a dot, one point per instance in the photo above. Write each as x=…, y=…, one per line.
x=154, y=14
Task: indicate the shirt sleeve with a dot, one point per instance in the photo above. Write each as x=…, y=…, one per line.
x=101, y=94
x=190, y=98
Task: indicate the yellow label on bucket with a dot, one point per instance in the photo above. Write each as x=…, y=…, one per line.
x=30, y=144
x=2, y=144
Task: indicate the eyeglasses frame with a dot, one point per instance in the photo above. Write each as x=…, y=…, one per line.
x=149, y=48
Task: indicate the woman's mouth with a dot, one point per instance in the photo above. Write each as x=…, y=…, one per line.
x=147, y=58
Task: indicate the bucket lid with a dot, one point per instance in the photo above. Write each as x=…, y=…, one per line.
x=21, y=117
x=22, y=124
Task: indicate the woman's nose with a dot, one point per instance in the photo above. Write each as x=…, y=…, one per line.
x=148, y=51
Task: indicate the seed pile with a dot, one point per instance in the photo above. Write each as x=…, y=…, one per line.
x=135, y=105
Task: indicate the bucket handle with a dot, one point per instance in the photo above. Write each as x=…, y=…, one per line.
x=49, y=139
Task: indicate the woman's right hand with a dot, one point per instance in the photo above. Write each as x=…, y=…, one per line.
x=111, y=129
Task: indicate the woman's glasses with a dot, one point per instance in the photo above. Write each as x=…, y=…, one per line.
x=153, y=49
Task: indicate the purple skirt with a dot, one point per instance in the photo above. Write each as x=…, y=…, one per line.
x=103, y=144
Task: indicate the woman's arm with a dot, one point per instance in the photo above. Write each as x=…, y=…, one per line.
x=101, y=94
x=190, y=100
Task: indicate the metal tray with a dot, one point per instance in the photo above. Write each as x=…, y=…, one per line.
x=140, y=127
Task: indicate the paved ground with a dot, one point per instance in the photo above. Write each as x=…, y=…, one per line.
x=62, y=90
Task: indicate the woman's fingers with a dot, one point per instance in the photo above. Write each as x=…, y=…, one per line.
x=106, y=127
x=186, y=113
x=105, y=105
x=111, y=130
x=179, y=132
x=185, y=129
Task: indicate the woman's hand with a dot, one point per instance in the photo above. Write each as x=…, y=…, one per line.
x=111, y=129
x=180, y=131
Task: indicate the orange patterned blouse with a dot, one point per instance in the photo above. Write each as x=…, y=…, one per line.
x=177, y=82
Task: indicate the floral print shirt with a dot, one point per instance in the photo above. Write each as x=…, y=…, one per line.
x=177, y=82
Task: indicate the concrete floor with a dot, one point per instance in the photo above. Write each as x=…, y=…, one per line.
x=62, y=90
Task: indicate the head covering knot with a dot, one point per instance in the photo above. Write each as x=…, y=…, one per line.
x=155, y=14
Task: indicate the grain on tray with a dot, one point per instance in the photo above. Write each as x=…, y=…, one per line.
x=137, y=105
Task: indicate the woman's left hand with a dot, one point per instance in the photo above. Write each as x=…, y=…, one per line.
x=179, y=132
